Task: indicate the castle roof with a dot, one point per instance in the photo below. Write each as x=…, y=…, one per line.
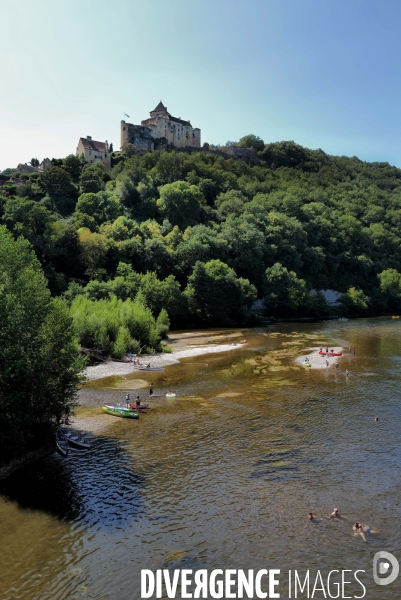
x=153, y=120
x=180, y=121
x=161, y=112
x=160, y=106
x=92, y=145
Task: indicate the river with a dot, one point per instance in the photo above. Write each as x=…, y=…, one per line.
x=224, y=475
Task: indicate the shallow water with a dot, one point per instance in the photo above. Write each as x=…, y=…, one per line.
x=224, y=475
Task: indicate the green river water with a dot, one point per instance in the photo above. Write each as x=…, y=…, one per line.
x=224, y=475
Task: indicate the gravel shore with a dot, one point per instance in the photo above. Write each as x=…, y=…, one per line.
x=110, y=368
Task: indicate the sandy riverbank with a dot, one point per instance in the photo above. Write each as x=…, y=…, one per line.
x=317, y=361
x=111, y=368
x=83, y=424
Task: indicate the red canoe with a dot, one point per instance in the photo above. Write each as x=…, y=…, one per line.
x=330, y=354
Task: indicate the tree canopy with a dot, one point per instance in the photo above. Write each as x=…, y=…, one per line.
x=291, y=222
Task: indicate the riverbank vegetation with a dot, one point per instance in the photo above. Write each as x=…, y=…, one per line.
x=202, y=236
x=40, y=359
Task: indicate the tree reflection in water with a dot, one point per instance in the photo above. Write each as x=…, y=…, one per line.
x=97, y=486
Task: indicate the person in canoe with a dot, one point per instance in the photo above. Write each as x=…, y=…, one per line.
x=151, y=390
x=127, y=400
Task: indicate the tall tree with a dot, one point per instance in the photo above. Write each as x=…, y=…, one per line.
x=39, y=356
x=181, y=203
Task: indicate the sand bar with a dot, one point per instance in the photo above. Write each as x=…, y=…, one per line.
x=317, y=361
x=111, y=368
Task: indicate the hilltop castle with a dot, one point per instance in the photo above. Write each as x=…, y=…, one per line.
x=160, y=130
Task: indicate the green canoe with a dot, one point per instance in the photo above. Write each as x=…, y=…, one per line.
x=120, y=411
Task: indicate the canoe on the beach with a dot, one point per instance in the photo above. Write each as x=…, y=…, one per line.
x=120, y=411
x=74, y=440
x=330, y=354
x=150, y=369
x=306, y=364
x=61, y=442
x=171, y=395
x=132, y=406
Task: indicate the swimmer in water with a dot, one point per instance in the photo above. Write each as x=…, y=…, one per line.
x=363, y=530
x=313, y=518
x=346, y=373
x=376, y=419
x=335, y=514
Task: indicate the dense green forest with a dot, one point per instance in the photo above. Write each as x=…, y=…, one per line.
x=193, y=239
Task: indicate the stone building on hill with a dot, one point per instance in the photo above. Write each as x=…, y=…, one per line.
x=160, y=130
x=45, y=164
x=94, y=152
x=25, y=168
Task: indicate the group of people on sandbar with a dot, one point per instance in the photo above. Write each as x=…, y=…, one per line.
x=358, y=528
x=137, y=402
x=133, y=359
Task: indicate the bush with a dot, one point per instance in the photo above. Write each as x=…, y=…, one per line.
x=117, y=326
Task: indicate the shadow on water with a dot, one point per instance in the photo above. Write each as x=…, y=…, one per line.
x=95, y=487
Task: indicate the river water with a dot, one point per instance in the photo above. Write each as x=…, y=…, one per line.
x=223, y=476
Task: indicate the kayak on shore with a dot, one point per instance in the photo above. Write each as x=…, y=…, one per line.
x=120, y=411
x=61, y=442
x=74, y=440
x=330, y=353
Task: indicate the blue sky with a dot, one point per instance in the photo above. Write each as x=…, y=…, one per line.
x=324, y=73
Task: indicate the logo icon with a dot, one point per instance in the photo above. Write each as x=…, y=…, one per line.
x=382, y=561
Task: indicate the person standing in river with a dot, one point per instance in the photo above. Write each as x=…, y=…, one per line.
x=151, y=390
